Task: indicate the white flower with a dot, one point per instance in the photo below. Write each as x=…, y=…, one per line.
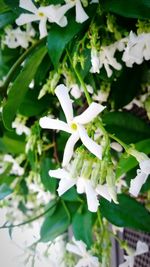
x=17, y=37
x=16, y=169
x=137, y=49
x=19, y=125
x=51, y=13
x=76, y=91
x=74, y=125
x=116, y=146
x=142, y=173
x=141, y=248
x=83, y=186
x=105, y=58
x=81, y=16
x=87, y=259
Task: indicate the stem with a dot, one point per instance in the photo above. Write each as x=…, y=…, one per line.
x=119, y=141
x=66, y=209
x=13, y=69
x=88, y=98
x=30, y=220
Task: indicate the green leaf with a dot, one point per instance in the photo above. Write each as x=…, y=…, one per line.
x=123, y=91
x=58, y=38
x=3, y=7
x=128, y=213
x=82, y=227
x=48, y=182
x=133, y=9
x=20, y=86
x=127, y=163
x=126, y=126
x=6, y=18
x=12, y=143
x=71, y=195
x=55, y=225
x=5, y=190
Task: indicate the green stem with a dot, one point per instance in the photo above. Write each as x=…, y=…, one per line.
x=126, y=147
x=88, y=98
x=66, y=209
x=13, y=69
x=30, y=220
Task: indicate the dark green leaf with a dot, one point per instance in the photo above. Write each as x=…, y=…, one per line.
x=3, y=7
x=58, y=38
x=11, y=144
x=126, y=126
x=128, y=213
x=71, y=195
x=127, y=163
x=20, y=86
x=6, y=18
x=123, y=91
x=133, y=9
x=55, y=225
x=82, y=227
x=5, y=190
x=48, y=182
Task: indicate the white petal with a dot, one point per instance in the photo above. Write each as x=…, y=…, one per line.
x=91, y=195
x=73, y=249
x=103, y=191
x=48, y=123
x=61, y=92
x=141, y=248
x=65, y=184
x=145, y=166
x=28, y=5
x=26, y=18
x=42, y=28
x=137, y=182
x=80, y=185
x=125, y=264
x=89, y=114
x=81, y=16
x=92, y=146
x=59, y=173
x=68, y=152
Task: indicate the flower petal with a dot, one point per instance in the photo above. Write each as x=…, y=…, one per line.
x=92, y=146
x=73, y=249
x=65, y=184
x=91, y=196
x=28, y=5
x=145, y=166
x=141, y=248
x=26, y=18
x=137, y=182
x=89, y=114
x=68, y=152
x=81, y=16
x=59, y=173
x=54, y=124
x=42, y=28
x=103, y=191
x=61, y=92
x=80, y=185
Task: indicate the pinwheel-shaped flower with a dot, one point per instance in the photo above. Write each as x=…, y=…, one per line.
x=141, y=247
x=51, y=13
x=74, y=125
x=79, y=248
x=81, y=16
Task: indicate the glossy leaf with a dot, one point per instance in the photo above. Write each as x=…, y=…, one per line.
x=48, y=182
x=126, y=126
x=5, y=190
x=55, y=47
x=133, y=9
x=20, y=86
x=55, y=225
x=82, y=227
x=6, y=18
x=128, y=213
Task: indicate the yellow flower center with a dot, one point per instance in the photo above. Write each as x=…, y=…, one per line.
x=74, y=126
x=41, y=14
